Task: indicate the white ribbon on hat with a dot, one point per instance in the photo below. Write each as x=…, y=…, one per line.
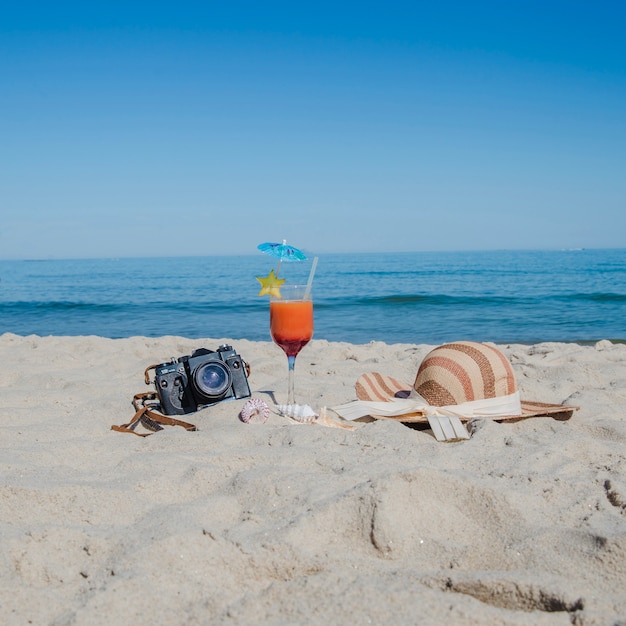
x=501, y=406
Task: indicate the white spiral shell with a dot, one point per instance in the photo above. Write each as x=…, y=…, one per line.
x=255, y=411
x=302, y=413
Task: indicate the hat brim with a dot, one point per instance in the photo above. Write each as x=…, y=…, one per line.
x=376, y=387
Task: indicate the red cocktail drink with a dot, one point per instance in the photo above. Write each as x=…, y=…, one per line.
x=291, y=325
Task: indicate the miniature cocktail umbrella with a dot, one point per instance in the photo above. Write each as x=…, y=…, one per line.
x=282, y=252
x=270, y=285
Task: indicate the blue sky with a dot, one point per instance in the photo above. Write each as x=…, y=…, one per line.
x=162, y=128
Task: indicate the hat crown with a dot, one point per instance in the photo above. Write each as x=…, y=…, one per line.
x=462, y=372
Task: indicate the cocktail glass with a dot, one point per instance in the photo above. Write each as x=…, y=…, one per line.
x=291, y=325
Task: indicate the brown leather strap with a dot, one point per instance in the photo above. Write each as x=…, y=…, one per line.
x=146, y=374
x=145, y=415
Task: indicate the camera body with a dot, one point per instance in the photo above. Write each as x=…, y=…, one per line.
x=198, y=380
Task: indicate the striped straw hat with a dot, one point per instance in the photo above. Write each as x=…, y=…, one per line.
x=454, y=374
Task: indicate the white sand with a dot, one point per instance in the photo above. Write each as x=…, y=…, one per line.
x=283, y=523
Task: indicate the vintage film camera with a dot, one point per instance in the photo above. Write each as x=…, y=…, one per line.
x=205, y=377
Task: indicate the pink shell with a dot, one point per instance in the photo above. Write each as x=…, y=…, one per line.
x=255, y=411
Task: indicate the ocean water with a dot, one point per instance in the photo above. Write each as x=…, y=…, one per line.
x=423, y=297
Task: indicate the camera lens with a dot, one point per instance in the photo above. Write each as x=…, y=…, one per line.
x=212, y=379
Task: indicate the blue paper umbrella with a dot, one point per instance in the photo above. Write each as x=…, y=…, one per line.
x=282, y=251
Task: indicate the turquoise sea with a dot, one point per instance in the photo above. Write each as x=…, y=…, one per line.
x=422, y=297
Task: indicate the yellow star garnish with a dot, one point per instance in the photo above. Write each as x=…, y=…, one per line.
x=270, y=285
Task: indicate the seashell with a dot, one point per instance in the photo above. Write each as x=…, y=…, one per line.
x=302, y=413
x=325, y=419
x=255, y=411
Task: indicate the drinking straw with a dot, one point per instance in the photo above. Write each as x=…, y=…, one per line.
x=309, y=283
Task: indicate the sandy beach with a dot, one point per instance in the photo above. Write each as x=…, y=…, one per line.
x=285, y=523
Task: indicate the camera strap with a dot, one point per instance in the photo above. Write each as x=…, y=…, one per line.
x=147, y=417
x=145, y=414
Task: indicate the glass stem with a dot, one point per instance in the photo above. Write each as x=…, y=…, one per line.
x=290, y=395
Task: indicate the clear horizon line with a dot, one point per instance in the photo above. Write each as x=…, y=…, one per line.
x=311, y=254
